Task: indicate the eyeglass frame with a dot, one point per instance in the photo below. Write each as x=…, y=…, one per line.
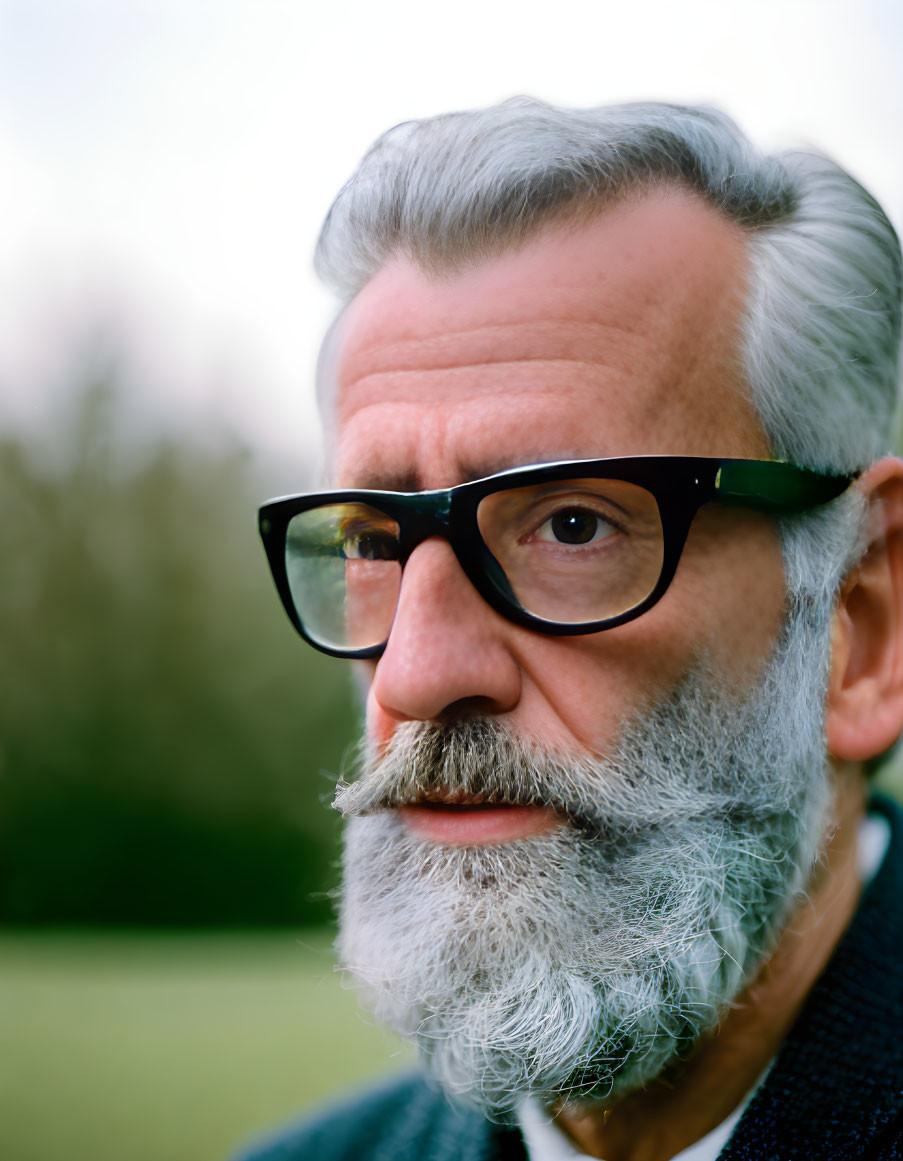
x=680, y=486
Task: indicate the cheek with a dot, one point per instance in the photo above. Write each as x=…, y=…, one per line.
x=582, y=689
x=724, y=607
x=734, y=592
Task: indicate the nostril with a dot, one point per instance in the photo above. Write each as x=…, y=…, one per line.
x=465, y=708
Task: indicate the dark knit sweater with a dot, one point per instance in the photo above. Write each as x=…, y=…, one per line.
x=835, y=1091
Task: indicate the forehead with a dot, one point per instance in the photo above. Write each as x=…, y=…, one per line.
x=617, y=336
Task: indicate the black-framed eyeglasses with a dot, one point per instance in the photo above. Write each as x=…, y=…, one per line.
x=563, y=548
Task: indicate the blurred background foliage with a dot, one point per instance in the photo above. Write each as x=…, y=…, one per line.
x=167, y=744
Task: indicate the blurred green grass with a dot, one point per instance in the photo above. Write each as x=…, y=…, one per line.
x=171, y=1047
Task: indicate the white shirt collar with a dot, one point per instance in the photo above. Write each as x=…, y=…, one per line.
x=544, y=1141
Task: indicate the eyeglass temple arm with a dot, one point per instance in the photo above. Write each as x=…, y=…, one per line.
x=773, y=486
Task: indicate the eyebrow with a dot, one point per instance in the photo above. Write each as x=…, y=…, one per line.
x=381, y=481
x=409, y=480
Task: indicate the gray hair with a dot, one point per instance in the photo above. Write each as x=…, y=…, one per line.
x=822, y=323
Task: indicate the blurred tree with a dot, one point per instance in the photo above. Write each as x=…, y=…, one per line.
x=163, y=733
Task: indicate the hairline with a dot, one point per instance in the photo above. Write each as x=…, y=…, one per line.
x=580, y=211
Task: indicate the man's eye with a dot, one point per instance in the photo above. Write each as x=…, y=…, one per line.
x=371, y=546
x=574, y=526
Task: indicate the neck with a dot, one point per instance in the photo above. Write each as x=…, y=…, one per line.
x=670, y=1114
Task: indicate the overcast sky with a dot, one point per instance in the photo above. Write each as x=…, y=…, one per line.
x=166, y=163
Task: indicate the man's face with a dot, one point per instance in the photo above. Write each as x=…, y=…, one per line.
x=619, y=337
x=581, y=946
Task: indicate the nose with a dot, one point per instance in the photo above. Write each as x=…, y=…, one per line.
x=448, y=653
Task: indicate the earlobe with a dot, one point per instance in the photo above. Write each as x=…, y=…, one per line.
x=864, y=711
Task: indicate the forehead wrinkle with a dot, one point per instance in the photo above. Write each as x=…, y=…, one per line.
x=434, y=456
x=408, y=385
x=550, y=338
x=452, y=422
x=603, y=354
x=435, y=445
x=577, y=383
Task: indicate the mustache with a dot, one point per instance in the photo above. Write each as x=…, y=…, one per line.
x=480, y=760
x=689, y=755
x=468, y=761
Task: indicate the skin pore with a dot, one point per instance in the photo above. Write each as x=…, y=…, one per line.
x=612, y=337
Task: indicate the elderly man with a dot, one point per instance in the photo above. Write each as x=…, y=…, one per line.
x=614, y=540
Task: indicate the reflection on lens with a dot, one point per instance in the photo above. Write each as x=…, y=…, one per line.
x=575, y=551
x=344, y=574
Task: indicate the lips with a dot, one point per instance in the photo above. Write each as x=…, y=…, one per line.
x=469, y=820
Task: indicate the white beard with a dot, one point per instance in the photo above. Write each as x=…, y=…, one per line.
x=581, y=962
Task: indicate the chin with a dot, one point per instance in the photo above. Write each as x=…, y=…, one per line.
x=556, y=966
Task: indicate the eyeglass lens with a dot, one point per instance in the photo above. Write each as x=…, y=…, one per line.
x=572, y=552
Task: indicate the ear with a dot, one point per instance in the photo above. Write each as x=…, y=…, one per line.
x=864, y=709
